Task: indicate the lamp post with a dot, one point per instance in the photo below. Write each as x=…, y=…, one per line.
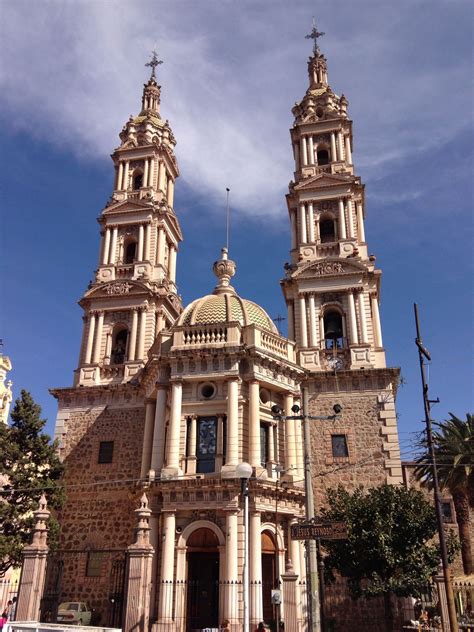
x=244, y=472
x=312, y=571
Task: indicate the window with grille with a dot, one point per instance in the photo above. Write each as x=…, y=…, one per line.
x=106, y=451
x=339, y=446
x=94, y=564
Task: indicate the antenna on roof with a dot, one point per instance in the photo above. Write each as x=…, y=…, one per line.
x=228, y=219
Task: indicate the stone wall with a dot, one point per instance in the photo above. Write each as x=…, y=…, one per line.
x=101, y=498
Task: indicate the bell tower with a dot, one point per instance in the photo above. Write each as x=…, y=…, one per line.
x=332, y=292
x=134, y=295
x=332, y=286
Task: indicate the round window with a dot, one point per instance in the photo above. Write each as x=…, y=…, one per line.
x=264, y=396
x=208, y=390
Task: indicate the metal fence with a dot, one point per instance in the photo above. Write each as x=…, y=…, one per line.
x=33, y=626
x=8, y=590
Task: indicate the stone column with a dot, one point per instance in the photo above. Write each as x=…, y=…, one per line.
x=160, y=254
x=113, y=246
x=342, y=220
x=141, y=334
x=98, y=338
x=140, y=242
x=360, y=223
x=294, y=235
x=254, y=423
x=313, y=336
x=376, y=321
x=340, y=145
x=333, y=147
x=90, y=338
x=255, y=567
x=170, y=192
x=352, y=319
x=348, y=150
x=145, y=173
x=232, y=457
x=172, y=264
x=192, y=443
x=310, y=150
x=363, y=318
x=310, y=223
x=302, y=219
x=146, y=250
x=139, y=575
x=290, y=443
x=105, y=252
x=291, y=320
x=165, y=587
x=289, y=579
x=271, y=449
x=133, y=335
x=296, y=153
x=147, y=438
x=159, y=429
x=303, y=325
x=304, y=155
x=174, y=430
x=350, y=219
x=161, y=176
x=33, y=571
x=317, y=229
x=120, y=176
x=231, y=599
x=125, y=176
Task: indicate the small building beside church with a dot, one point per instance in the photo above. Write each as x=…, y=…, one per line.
x=167, y=401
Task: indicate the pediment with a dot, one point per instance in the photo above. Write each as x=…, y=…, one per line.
x=324, y=180
x=332, y=266
x=117, y=288
x=127, y=205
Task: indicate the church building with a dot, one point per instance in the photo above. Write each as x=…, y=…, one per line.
x=168, y=401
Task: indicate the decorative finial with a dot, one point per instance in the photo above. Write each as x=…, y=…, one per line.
x=154, y=63
x=224, y=269
x=314, y=36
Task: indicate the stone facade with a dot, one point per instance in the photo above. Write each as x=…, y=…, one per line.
x=169, y=401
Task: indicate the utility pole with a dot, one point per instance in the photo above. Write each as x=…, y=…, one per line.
x=423, y=353
x=312, y=583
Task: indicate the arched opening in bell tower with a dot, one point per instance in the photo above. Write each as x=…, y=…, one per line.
x=119, y=345
x=137, y=180
x=130, y=251
x=322, y=156
x=202, y=602
x=327, y=229
x=333, y=329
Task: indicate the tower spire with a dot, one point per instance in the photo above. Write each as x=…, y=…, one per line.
x=151, y=90
x=154, y=63
x=314, y=36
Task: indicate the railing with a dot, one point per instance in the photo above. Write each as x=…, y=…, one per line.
x=124, y=271
x=323, y=169
x=205, y=335
x=330, y=249
x=274, y=343
x=36, y=626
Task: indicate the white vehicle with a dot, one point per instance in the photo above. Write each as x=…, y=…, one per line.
x=74, y=613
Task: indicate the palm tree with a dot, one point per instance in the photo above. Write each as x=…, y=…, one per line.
x=453, y=442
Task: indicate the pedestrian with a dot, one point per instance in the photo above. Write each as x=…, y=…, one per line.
x=261, y=627
x=3, y=619
x=225, y=626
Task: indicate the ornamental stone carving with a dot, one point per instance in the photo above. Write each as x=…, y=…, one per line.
x=329, y=267
x=115, y=289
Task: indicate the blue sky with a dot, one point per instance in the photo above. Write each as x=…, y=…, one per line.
x=72, y=73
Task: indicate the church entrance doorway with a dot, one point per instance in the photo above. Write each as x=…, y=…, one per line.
x=268, y=574
x=202, y=601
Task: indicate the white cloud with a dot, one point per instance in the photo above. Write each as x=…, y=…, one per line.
x=73, y=72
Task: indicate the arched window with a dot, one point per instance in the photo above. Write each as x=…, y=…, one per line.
x=322, y=157
x=327, y=230
x=130, y=251
x=333, y=331
x=119, y=346
x=137, y=180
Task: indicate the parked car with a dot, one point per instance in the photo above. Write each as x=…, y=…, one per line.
x=74, y=613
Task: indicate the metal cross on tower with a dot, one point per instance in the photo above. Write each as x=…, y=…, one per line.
x=278, y=320
x=154, y=63
x=314, y=36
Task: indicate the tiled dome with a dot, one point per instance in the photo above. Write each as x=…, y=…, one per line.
x=224, y=305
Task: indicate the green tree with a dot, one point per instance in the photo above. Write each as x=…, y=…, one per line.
x=29, y=466
x=453, y=441
x=388, y=547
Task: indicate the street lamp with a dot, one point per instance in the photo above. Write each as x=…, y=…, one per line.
x=277, y=413
x=244, y=472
